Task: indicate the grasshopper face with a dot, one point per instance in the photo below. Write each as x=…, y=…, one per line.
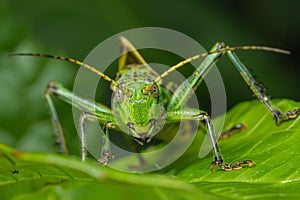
x=138, y=109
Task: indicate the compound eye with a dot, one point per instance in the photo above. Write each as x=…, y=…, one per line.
x=145, y=90
x=129, y=93
x=119, y=96
x=154, y=90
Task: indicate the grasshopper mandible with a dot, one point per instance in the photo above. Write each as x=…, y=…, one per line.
x=138, y=93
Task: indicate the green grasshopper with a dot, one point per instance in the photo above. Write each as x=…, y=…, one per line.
x=138, y=93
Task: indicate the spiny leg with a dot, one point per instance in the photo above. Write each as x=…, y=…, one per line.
x=102, y=113
x=60, y=139
x=195, y=114
x=106, y=153
x=83, y=138
x=260, y=92
x=184, y=90
x=218, y=160
x=93, y=111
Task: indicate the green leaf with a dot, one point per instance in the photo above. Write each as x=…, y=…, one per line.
x=274, y=149
x=39, y=175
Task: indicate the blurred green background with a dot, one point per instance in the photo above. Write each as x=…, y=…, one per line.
x=73, y=28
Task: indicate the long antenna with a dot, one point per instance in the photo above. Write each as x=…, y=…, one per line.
x=222, y=50
x=71, y=60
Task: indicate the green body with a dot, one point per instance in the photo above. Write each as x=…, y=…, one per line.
x=141, y=106
x=137, y=103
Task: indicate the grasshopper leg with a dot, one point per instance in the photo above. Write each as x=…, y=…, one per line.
x=195, y=114
x=260, y=92
x=106, y=153
x=182, y=93
x=218, y=160
x=92, y=111
x=83, y=138
x=60, y=139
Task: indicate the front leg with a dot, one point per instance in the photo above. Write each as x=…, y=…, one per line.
x=106, y=153
x=92, y=111
x=195, y=114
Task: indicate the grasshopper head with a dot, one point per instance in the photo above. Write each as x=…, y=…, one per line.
x=138, y=109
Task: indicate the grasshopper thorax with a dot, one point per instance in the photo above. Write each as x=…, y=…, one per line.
x=136, y=104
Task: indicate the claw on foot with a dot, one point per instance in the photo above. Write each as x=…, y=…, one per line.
x=105, y=157
x=233, y=166
x=279, y=116
x=293, y=114
x=237, y=165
